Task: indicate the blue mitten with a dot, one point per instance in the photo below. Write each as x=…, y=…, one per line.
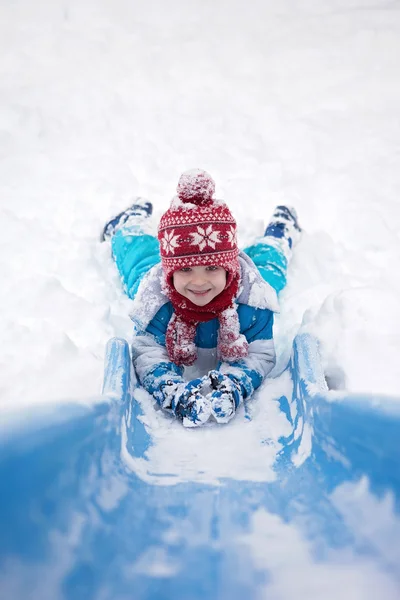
x=225, y=398
x=190, y=405
x=166, y=390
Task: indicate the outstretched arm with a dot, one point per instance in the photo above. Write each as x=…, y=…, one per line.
x=156, y=372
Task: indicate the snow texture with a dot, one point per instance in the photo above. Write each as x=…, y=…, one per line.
x=210, y=454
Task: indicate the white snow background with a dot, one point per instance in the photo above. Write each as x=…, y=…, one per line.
x=292, y=102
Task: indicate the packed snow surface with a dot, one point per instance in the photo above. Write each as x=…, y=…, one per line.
x=211, y=454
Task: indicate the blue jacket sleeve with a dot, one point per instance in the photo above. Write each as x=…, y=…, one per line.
x=149, y=355
x=257, y=327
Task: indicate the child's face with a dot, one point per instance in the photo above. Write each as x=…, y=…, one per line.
x=200, y=284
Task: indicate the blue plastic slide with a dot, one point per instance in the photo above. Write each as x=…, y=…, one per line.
x=83, y=515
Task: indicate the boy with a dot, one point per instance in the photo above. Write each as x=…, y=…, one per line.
x=205, y=305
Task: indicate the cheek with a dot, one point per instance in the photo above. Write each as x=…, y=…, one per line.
x=222, y=281
x=178, y=281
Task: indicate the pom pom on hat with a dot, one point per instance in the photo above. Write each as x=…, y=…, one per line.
x=196, y=187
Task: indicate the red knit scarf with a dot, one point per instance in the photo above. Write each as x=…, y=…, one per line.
x=181, y=331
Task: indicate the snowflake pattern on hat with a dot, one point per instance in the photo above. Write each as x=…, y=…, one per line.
x=205, y=236
x=169, y=242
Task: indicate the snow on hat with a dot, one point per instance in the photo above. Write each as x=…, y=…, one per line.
x=197, y=229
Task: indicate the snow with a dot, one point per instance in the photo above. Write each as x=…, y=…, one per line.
x=211, y=453
x=366, y=319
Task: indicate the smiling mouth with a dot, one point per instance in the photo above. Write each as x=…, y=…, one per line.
x=199, y=293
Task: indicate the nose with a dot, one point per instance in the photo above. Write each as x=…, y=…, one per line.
x=198, y=279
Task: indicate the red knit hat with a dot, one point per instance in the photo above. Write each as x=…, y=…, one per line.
x=197, y=229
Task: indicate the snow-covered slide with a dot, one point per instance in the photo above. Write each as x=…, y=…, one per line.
x=298, y=495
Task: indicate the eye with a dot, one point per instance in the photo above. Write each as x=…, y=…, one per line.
x=212, y=268
x=185, y=270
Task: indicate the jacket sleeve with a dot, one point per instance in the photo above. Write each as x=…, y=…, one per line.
x=250, y=372
x=149, y=354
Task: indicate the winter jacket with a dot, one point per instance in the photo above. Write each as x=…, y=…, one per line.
x=152, y=310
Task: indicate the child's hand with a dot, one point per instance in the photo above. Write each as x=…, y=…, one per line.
x=190, y=405
x=167, y=390
x=225, y=398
